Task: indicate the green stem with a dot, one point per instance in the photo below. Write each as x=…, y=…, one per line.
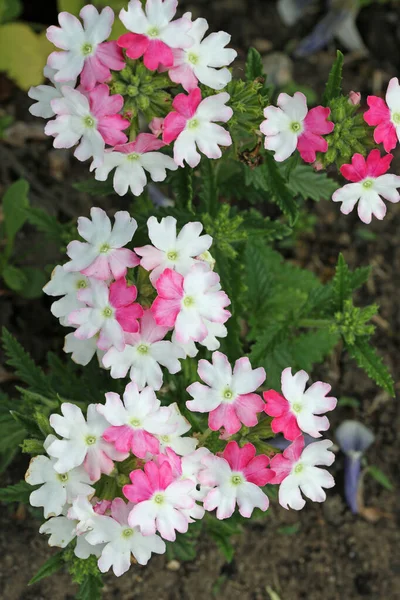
x=318, y=323
x=202, y=438
x=134, y=128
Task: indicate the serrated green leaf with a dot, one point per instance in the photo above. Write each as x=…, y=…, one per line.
x=221, y=532
x=46, y=223
x=309, y=184
x=185, y=546
x=333, y=87
x=18, y=492
x=90, y=588
x=182, y=187
x=14, y=278
x=95, y=188
x=380, y=477
x=14, y=203
x=257, y=225
x=209, y=188
x=279, y=190
x=52, y=565
x=341, y=283
x=312, y=347
x=368, y=359
x=35, y=280
x=254, y=66
x=11, y=432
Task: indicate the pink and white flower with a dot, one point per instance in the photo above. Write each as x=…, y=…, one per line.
x=203, y=60
x=184, y=302
x=297, y=409
x=144, y=352
x=153, y=32
x=292, y=126
x=62, y=531
x=67, y=285
x=103, y=255
x=82, y=442
x=192, y=124
x=296, y=471
x=386, y=116
x=228, y=396
x=370, y=181
x=130, y=162
x=93, y=120
x=82, y=351
x=44, y=94
x=236, y=477
x=135, y=421
x=121, y=540
x=109, y=312
x=159, y=501
x=56, y=489
x=156, y=126
x=172, y=251
x=175, y=440
x=84, y=51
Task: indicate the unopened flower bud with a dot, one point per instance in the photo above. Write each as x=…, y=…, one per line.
x=355, y=98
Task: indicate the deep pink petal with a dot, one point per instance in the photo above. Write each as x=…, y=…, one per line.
x=294, y=451
x=128, y=316
x=247, y=406
x=170, y=285
x=145, y=142
x=110, y=128
x=276, y=404
x=357, y=170
x=385, y=133
x=134, y=44
x=186, y=105
x=143, y=442
x=111, y=55
x=281, y=468
x=286, y=424
x=141, y=488
x=309, y=144
x=174, y=124
x=376, y=165
x=120, y=436
x=238, y=458
x=165, y=311
x=102, y=104
x=224, y=416
x=378, y=112
x=157, y=53
x=316, y=121
x=121, y=294
x=93, y=72
x=256, y=471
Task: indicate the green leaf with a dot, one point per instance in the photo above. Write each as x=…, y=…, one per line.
x=341, y=283
x=35, y=280
x=368, y=359
x=46, y=223
x=279, y=190
x=10, y=10
x=90, y=588
x=95, y=188
x=14, y=203
x=185, y=546
x=333, y=87
x=348, y=401
x=11, y=432
x=24, y=366
x=182, y=186
x=380, y=477
x=257, y=225
x=209, y=189
x=14, y=278
x=305, y=182
x=254, y=66
x=71, y=6
x=19, y=492
x=312, y=347
x=221, y=532
x=52, y=565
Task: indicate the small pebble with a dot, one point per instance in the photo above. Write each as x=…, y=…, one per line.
x=173, y=565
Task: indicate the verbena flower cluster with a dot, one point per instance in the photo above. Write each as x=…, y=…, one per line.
x=173, y=477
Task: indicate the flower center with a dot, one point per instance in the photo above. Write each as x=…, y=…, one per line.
x=90, y=440
x=172, y=255
x=367, y=184
x=63, y=477
x=159, y=498
x=108, y=312
x=104, y=248
x=128, y=532
x=192, y=124
x=87, y=49
x=89, y=122
x=133, y=156
x=188, y=301
x=298, y=468
x=228, y=394
x=193, y=58
x=164, y=438
x=134, y=422
x=81, y=284
x=143, y=349
x=153, y=32
x=295, y=126
x=297, y=407
x=396, y=118
x=236, y=480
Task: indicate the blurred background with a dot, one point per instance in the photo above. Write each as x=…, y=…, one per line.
x=347, y=547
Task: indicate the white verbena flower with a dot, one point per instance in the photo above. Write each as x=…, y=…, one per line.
x=44, y=94
x=65, y=284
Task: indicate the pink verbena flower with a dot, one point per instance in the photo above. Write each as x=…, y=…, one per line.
x=170, y=250
x=92, y=120
x=176, y=441
x=184, y=302
x=143, y=354
x=192, y=124
x=84, y=51
x=82, y=442
x=292, y=126
x=386, y=116
x=369, y=183
x=135, y=421
x=109, y=312
x=203, y=60
x=159, y=501
x=103, y=255
x=228, y=397
x=154, y=32
x=296, y=410
x=156, y=126
x=130, y=162
x=235, y=477
x=296, y=471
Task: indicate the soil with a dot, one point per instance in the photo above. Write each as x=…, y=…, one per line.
x=324, y=552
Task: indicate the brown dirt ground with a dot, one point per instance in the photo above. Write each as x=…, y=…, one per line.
x=334, y=554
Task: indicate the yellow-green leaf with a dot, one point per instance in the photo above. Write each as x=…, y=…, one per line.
x=71, y=6
x=23, y=54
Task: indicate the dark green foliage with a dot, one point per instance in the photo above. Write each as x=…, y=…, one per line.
x=334, y=86
x=95, y=188
x=90, y=589
x=182, y=187
x=368, y=359
x=307, y=183
x=51, y=566
x=185, y=546
x=18, y=492
x=254, y=67
x=221, y=532
x=48, y=225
